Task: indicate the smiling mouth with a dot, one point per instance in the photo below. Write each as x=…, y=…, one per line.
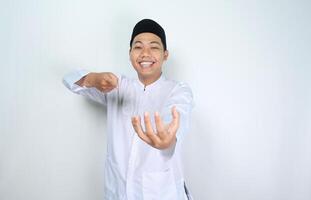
x=146, y=64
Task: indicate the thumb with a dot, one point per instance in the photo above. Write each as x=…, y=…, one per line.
x=175, y=113
x=175, y=121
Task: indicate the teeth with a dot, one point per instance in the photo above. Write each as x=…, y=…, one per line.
x=146, y=64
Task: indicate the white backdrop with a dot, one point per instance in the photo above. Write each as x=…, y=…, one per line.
x=248, y=63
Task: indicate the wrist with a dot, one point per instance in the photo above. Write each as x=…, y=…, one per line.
x=90, y=79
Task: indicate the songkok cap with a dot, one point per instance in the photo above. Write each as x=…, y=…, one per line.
x=149, y=26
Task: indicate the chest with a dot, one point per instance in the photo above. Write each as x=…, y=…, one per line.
x=136, y=101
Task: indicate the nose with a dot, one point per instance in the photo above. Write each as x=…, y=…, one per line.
x=145, y=52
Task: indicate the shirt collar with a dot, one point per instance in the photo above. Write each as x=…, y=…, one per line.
x=152, y=85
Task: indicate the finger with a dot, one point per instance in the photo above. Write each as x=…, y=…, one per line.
x=107, y=89
x=175, y=121
x=112, y=80
x=115, y=80
x=109, y=82
x=147, y=121
x=175, y=114
x=149, y=131
x=138, y=129
x=106, y=83
x=155, y=140
x=170, y=136
x=159, y=124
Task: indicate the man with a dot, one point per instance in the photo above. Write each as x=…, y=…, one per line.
x=147, y=119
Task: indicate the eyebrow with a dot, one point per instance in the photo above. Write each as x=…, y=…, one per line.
x=155, y=42
x=137, y=42
x=152, y=42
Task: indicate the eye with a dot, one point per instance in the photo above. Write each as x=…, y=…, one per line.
x=155, y=47
x=137, y=47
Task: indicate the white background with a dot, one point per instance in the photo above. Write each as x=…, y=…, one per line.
x=248, y=63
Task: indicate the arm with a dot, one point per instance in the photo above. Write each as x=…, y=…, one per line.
x=91, y=85
x=104, y=81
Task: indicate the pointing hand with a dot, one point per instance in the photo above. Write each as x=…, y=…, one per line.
x=104, y=82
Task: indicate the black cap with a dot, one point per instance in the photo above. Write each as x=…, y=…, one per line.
x=149, y=26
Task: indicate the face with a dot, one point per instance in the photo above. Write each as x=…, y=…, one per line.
x=147, y=56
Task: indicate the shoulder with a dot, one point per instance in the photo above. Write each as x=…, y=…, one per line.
x=179, y=86
x=179, y=91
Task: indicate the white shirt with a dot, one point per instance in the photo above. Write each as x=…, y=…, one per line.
x=134, y=170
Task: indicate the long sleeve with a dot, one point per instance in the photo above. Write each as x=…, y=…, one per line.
x=71, y=78
x=182, y=98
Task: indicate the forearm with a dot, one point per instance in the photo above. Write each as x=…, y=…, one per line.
x=104, y=81
x=91, y=79
x=75, y=80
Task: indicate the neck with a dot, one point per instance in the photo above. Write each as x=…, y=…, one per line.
x=149, y=80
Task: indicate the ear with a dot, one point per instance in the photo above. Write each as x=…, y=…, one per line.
x=166, y=54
